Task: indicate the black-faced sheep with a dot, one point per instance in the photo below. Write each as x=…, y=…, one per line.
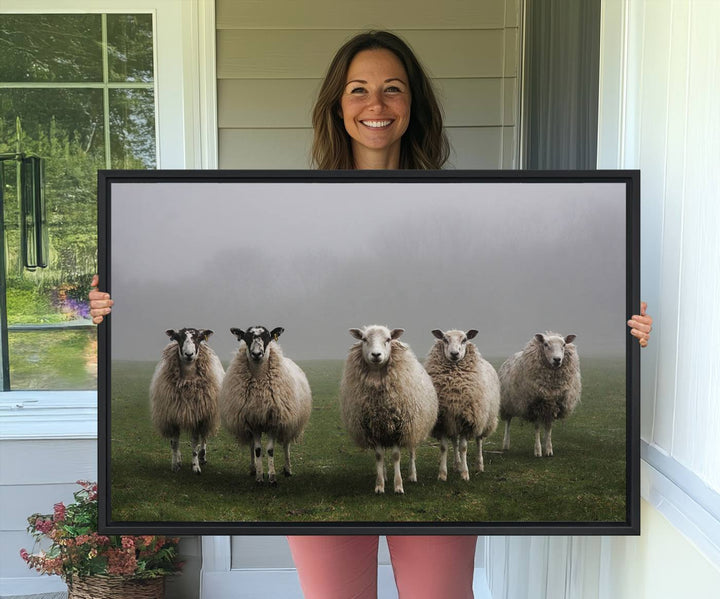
x=184, y=393
x=264, y=392
x=387, y=399
x=468, y=393
x=540, y=384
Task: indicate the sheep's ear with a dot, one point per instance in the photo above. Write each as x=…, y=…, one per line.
x=205, y=334
x=471, y=334
x=395, y=333
x=570, y=338
x=171, y=333
x=357, y=333
x=437, y=333
x=239, y=333
x=276, y=332
x=539, y=337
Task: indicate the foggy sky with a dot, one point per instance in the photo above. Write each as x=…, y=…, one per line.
x=508, y=259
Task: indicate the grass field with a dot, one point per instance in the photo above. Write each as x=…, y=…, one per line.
x=334, y=481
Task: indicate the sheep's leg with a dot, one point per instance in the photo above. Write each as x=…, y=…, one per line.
x=442, y=474
x=396, y=465
x=253, y=470
x=506, y=438
x=258, y=458
x=202, y=455
x=271, y=460
x=175, y=448
x=480, y=463
x=286, y=468
x=464, y=473
x=538, y=446
x=196, y=444
x=548, y=439
x=380, y=470
x=413, y=471
x=456, y=453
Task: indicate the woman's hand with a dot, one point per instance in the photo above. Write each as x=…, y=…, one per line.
x=641, y=325
x=100, y=302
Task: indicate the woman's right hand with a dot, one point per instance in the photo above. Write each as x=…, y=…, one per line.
x=100, y=302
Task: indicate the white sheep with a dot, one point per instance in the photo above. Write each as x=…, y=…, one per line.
x=468, y=391
x=264, y=392
x=184, y=393
x=540, y=384
x=387, y=399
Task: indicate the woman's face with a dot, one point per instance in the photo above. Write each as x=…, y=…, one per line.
x=375, y=104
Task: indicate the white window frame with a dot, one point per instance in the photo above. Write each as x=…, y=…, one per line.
x=186, y=130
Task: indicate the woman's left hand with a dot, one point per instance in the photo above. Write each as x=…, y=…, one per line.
x=641, y=325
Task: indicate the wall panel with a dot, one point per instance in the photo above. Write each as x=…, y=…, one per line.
x=306, y=53
x=399, y=14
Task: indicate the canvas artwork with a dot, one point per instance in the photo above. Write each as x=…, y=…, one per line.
x=310, y=352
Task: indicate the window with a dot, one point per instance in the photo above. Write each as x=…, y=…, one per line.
x=78, y=91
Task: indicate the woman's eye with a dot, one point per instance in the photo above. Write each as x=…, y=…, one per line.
x=357, y=90
x=393, y=89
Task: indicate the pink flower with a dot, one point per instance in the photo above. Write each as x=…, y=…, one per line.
x=121, y=562
x=24, y=555
x=128, y=542
x=59, y=509
x=44, y=526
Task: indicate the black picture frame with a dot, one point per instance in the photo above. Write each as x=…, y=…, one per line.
x=507, y=192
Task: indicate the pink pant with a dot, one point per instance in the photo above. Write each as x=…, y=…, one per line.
x=345, y=567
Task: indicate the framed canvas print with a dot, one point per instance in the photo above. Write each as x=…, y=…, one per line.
x=311, y=352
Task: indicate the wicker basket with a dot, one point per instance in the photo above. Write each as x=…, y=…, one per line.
x=116, y=587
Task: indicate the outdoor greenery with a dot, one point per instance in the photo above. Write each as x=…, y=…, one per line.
x=64, y=122
x=334, y=481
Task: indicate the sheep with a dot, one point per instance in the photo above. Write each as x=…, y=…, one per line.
x=468, y=391
x=540, y=384
x=387, y=399
x=184, y=393
x=264, y=392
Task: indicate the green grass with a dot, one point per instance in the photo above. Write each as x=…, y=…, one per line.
x=334, y=481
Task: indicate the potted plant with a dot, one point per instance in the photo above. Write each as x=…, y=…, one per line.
x=95, y=565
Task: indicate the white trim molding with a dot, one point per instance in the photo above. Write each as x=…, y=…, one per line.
x=37, y=415
x=683, y=498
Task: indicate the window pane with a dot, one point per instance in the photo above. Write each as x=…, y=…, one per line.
x=130, y=47
x=132, y=128
x=48, y=117
x=53, y=359
x=50, y=48
x=65, y=127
